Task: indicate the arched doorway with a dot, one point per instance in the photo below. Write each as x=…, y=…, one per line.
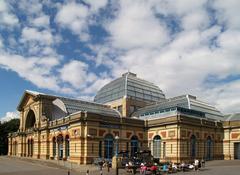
x=108, y=146
x=67, y=145
x=209, y=146
x=134, y=145
x=30, y=120
x=60, y=146
x=54, y=146
x=193, y=142
x=156, y=147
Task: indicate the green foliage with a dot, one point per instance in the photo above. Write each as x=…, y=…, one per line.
x=5, y=128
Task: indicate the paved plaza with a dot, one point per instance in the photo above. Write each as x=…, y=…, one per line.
x=23, y=166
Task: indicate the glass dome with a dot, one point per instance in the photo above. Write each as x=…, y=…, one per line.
x=131, y=87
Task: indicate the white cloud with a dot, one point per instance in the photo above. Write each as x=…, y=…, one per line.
x=179, y=56
x=43, y=37
x=228, y=12
x=41, y=21
x=1, y=43
x=7, y=17
x=30, y=7
x=9, y=116
x=96, y=4
x=183, y=61
x=77, y=17
x=136, y=26
x=73, y=16
x=75, y=73
x=225, y=96
x=34, y=69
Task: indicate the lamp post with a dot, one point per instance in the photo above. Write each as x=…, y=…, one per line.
x=116, y=153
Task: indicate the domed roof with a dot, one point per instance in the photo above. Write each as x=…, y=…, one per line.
x=129, y=86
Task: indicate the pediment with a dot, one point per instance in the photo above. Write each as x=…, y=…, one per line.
x=26, y=100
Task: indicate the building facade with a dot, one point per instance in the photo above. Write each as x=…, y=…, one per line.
x=128, y=114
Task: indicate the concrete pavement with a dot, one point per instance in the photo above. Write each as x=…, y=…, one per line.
x=25, y=166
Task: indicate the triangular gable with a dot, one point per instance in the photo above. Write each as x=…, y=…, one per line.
x=26, y=99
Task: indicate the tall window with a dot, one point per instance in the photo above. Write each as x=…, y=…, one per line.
x=164, y=149
x=157, y=146
x=108, y=146
x=209, y=148
x=134, y=145
x=54, y=146
x=67, y=145
x=100, y=149
x=193, y=146
x=60, y=146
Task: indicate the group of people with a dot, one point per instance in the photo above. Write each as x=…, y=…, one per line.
x=166, y=167
x=196, y=165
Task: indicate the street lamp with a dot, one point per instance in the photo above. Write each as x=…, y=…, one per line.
x=116, y=153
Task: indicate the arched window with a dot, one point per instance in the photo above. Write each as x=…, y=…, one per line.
x=108, y=146
x=156, y=146
x=209, y=148
x=134, y=145
x=193, y=146
x=60, y=146
x=67, y=151
x=30, y=119
x=54, y=146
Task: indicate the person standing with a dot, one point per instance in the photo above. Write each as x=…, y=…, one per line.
x=196, y=164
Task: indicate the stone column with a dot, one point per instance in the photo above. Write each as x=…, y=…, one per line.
x=9, y=146
x=64, y=149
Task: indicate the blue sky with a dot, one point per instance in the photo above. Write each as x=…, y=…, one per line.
x=73, y=48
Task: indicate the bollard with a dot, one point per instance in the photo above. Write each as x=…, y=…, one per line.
x=68, y=172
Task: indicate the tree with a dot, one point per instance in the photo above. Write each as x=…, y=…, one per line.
x=5, y=128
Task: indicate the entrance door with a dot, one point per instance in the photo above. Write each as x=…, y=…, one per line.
x=237, y=150
x=209, y=148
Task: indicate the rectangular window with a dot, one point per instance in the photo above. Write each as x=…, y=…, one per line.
x=171, y=148
x=75, y=147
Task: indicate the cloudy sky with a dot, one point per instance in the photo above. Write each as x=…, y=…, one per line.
x=73, y=48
